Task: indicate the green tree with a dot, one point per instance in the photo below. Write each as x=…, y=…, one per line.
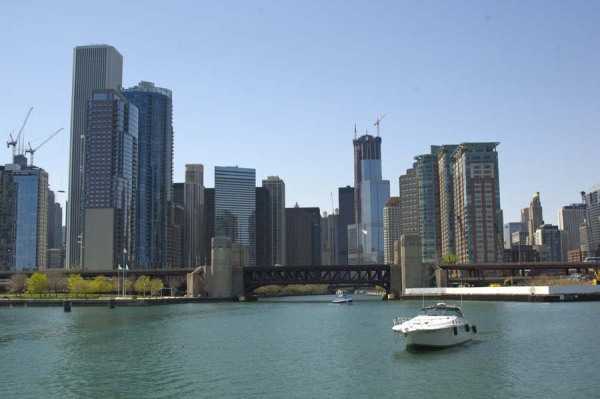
x=78, y=285
x=38, y=284
x=100, y=285
x=142, y=284
x=18, y=282
x=156, y=286
x=449, y=259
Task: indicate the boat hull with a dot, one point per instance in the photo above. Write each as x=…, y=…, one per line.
x=439, y=338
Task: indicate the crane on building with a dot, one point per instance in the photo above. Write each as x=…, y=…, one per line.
x=376, y=124
x=14, y=141
x=33, y=150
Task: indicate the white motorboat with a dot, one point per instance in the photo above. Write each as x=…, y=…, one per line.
x=438, y=326
x=342, y=298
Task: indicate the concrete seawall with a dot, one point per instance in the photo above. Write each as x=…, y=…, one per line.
x=518, y=293
x=81, y=302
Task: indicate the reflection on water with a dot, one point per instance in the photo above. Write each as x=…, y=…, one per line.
x=294, y=348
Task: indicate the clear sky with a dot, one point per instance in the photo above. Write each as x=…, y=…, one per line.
x=278, y=85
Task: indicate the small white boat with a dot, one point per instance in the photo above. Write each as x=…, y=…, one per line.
x=342, y=298
x=438, y=326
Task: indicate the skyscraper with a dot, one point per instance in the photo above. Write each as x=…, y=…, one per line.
x=570, y=218
x=24, y=215
x=303, y=236
x=446, y=168
x=276, y=189
x=155, y=172
x=591, y=245
x=263, y=234
x=428, y=187
x=94, y=67
x=391, y=228
x=409, y=202
x=110, y=176
x=235, y=208
x=365, y=238
x=477, y=203
x=536, y=218
x=345, y=219
x=193, y=248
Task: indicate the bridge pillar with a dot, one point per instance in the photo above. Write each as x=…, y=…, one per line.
x=413, y=272
x=395, y=281
x=196, y=282
x=219, y=279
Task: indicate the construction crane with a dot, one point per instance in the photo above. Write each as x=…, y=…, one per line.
x=33, y=150
x=376, y=124
x=13, y=142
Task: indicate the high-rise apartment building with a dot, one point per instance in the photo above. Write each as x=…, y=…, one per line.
x=536, y=218
x=345, y=219
x=447, y=216
x=276, y=188
x=570, y=218
x=94, y=67
x=155, y=173
x=193, y=205
x=429, y=205
x=371, y=192
x=409, y=202
x=24, y=215
x=110, y=177
x=235, y=208
x=477, y=203
x=391, y=228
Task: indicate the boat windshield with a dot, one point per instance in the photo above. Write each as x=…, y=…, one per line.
x=440, y=312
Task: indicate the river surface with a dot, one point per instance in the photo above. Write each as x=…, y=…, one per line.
x=296, y=347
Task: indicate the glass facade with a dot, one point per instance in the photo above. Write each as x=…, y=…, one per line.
x=235, y=208
x=154, y=172
x=24, y=233
x=370, y=196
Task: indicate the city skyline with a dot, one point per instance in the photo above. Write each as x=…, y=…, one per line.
x=289, y=81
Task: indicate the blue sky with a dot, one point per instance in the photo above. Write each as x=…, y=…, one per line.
x=278, y=85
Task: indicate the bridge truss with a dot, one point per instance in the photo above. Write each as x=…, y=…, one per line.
x=357, y=275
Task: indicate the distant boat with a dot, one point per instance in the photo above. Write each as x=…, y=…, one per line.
x=342, y=298
x=438, y=326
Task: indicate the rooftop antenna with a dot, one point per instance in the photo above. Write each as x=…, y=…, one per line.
x=355, y=136
x=376, y=124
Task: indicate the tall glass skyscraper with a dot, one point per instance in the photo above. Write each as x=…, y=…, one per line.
x=235, y=208
x=24, y=212
x=276, y=188
x=155, y=173
x=365, y=238
x=110, y=177
x=94, y=67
